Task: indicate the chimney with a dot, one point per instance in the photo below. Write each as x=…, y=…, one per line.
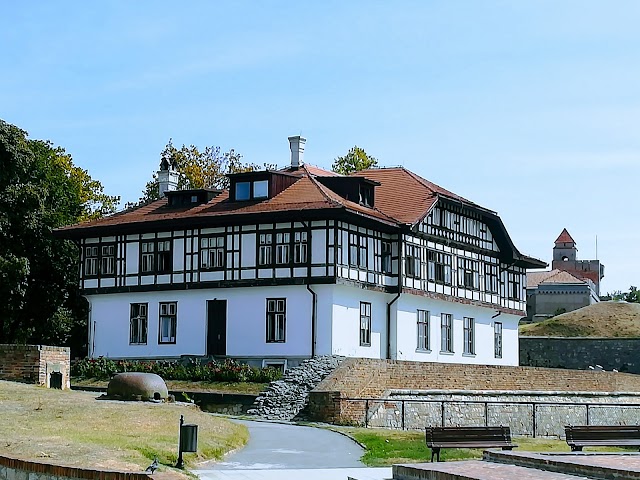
x=296, y=144
x=167, y=177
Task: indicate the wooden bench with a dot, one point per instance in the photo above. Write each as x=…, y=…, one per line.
x=602, y=436
x=467, y=437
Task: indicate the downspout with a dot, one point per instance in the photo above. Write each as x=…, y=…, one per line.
x=314, y=307
x=314, y=295
x=394, y=298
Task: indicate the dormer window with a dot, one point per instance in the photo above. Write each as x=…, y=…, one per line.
x=243, y=190
x=261, y=189
x=366, y=195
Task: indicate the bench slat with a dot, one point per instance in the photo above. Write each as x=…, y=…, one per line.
x=602, y=435
x=467, y=437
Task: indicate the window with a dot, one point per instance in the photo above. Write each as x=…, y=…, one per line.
x=276, y=319
x=156, y=256
x=439, y=266
x=138, y=324
x=261, y=189
x=243, y=190
x=358, y=250
x=365, y=324
x=365, y=196
x=413, y=262
x=446, y=332
x=91, y=261
x=282, y=247
x=497, y=339
x=108, y=260
x=514, y=286
x=491, y=278
x=300, y=247
x=469, y=336
x=423, y=330
x=468, y=273
x=264, y=250
x=168, y=321
x=212, y=254
x=386, y=257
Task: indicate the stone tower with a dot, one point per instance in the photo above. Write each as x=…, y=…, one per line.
x=565, y=258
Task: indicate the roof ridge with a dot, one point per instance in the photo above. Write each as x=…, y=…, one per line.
x=321, y=188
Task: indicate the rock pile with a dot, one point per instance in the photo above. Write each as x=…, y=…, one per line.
x=285, y=398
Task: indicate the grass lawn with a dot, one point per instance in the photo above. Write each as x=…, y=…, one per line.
x=74, y=429
x=185, y=386
x=386, y=447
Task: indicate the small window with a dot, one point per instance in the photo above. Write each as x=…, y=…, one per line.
x=497, y=339
x=243, y=190
x=300, y=247
x=261, y=189
x=138, y=324
x=423, y=330
x=413, y=262
x=491, y=278
x=164, y=256
x=276, y=320
x=365, y=324
x=386, y=257
x=212, y=253
x=265, y=249
x=168, y=322
x=282, y=248
x=446, y=333
x=91, y=261
x=108, y=260
x=147, y=257
x=469, y=336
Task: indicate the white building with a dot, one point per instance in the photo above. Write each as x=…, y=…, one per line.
x=299, y=262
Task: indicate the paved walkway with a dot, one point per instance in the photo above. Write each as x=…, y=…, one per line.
x=288, y=452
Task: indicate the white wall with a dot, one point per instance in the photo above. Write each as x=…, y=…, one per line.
x=405, y=324
x=246, y=322
x=346, y=322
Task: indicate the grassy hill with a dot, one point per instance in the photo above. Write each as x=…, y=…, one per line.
x=604, y=319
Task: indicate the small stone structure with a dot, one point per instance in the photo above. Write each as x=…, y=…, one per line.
x=286, y=398
x=137, y=385
x=39, y=364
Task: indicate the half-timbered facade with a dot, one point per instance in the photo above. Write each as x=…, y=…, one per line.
x=298, y=262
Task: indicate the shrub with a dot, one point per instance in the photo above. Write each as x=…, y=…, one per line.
x=192, y=370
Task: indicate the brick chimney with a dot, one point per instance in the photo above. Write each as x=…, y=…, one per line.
x=296, y=144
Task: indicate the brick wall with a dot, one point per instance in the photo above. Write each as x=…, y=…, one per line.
x=34, y=363
x=17, y=469
x=369, y=378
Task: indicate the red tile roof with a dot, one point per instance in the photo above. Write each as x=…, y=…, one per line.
x=564, y=237
x=403, y=195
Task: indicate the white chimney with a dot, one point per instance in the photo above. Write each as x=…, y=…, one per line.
x=167, y=177
x=296, y=144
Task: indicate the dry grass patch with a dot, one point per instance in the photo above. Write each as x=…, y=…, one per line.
x=604, y=319
x=74, y=429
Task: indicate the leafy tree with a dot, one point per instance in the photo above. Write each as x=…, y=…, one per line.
x=632, y=296
x=41, y=189
x=354, y=161
x=198, y=169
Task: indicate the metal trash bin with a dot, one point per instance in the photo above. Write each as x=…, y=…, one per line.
x=189, y=437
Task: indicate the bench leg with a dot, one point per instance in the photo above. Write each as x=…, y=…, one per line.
x=435, y=452
x=576, y=448
x=507, y=448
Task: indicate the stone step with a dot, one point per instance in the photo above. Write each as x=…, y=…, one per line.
x=474, y=470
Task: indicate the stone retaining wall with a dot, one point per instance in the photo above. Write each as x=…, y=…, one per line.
x=540, y=414
x=34, y=363
x=368, y=378
x=622, y=354
x=17, y=469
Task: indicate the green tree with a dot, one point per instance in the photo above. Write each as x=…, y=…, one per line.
x=355, y=160
x=206, y=168
x=632, y=296
x=41, y=189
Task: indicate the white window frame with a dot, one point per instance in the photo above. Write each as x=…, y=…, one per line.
x=168, y=322
x=212, y=252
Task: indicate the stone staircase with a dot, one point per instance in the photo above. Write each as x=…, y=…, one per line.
x=285, y=399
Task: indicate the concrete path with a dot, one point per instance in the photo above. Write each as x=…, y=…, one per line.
x=283, y=452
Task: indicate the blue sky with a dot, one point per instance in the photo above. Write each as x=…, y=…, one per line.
x=529, y=108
